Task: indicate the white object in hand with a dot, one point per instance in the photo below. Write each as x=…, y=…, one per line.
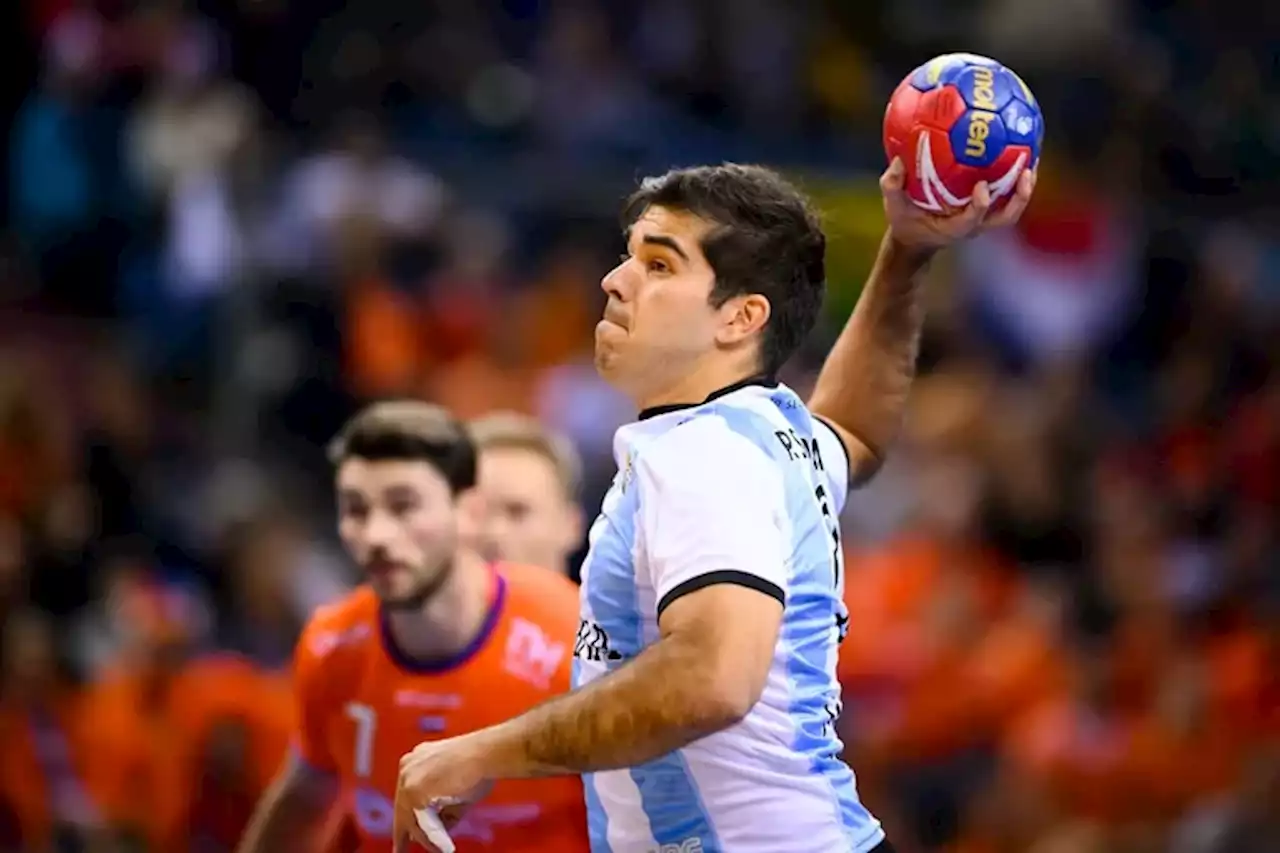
x=431, y=825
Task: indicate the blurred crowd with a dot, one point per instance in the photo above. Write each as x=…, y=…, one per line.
x=230, y=222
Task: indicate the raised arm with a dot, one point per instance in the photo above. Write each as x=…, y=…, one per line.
x=862, y=389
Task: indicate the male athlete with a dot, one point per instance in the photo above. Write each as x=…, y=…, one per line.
x=437, y=643
x=529, y=478
x=711, y=594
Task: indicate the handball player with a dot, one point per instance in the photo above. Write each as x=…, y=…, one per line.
x=703, y=717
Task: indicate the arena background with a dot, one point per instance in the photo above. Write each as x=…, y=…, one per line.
x=229, y=223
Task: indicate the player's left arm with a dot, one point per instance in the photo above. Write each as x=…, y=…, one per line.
x=712, y=515
x=862, y=389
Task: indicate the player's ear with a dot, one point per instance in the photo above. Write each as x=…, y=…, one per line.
x=471, y=509
x=743, y=316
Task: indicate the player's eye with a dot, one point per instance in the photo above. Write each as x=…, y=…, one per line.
x=402, y=507
x=353, y=511
x=658, y=265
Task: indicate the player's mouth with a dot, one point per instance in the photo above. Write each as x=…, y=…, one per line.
x=380, y=568
x=613, y=318
x=609, y=328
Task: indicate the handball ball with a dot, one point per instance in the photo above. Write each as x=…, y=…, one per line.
x=960, y=119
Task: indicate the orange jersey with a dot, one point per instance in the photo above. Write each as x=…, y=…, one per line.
x=44, y=765
x=362, y=705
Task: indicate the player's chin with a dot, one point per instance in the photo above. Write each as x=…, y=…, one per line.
x=400, y=600
x=396, y=589
x=607, y=356
x=609, y=335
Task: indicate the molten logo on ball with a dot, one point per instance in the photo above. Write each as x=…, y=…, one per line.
x=960, y=119
x=984, y=99
x=979, y=130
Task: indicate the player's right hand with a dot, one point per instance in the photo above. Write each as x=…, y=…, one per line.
x=441, y=775
x=919, y=230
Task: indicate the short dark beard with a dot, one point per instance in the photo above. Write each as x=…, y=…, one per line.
x=418, y=599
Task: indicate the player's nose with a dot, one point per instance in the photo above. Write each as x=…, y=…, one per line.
x=615, y=283
x=380, y=530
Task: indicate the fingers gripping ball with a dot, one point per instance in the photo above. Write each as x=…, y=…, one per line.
x=960, y=119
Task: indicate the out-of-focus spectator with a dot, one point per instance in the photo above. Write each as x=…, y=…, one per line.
x=189, y=142
x=155, y=711
x=588, y=99
x=191, y=121
x=65, y=187
x=356, y=193
x=275, y=578
x=48, y=751
x=406, y=318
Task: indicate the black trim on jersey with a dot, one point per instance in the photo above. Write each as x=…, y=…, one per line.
x=720, y=576
x=848, y=458
x=765, y=379
x=885, y=846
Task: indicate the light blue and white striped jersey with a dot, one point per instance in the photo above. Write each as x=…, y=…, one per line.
x=745, y=488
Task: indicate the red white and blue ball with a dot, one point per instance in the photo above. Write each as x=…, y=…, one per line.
x=960, y=119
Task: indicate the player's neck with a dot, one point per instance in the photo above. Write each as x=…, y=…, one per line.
x=452, y=618
x=698, y=384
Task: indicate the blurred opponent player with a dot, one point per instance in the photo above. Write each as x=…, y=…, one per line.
x=711, y=612
x=438, y=643
x=529, y=478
